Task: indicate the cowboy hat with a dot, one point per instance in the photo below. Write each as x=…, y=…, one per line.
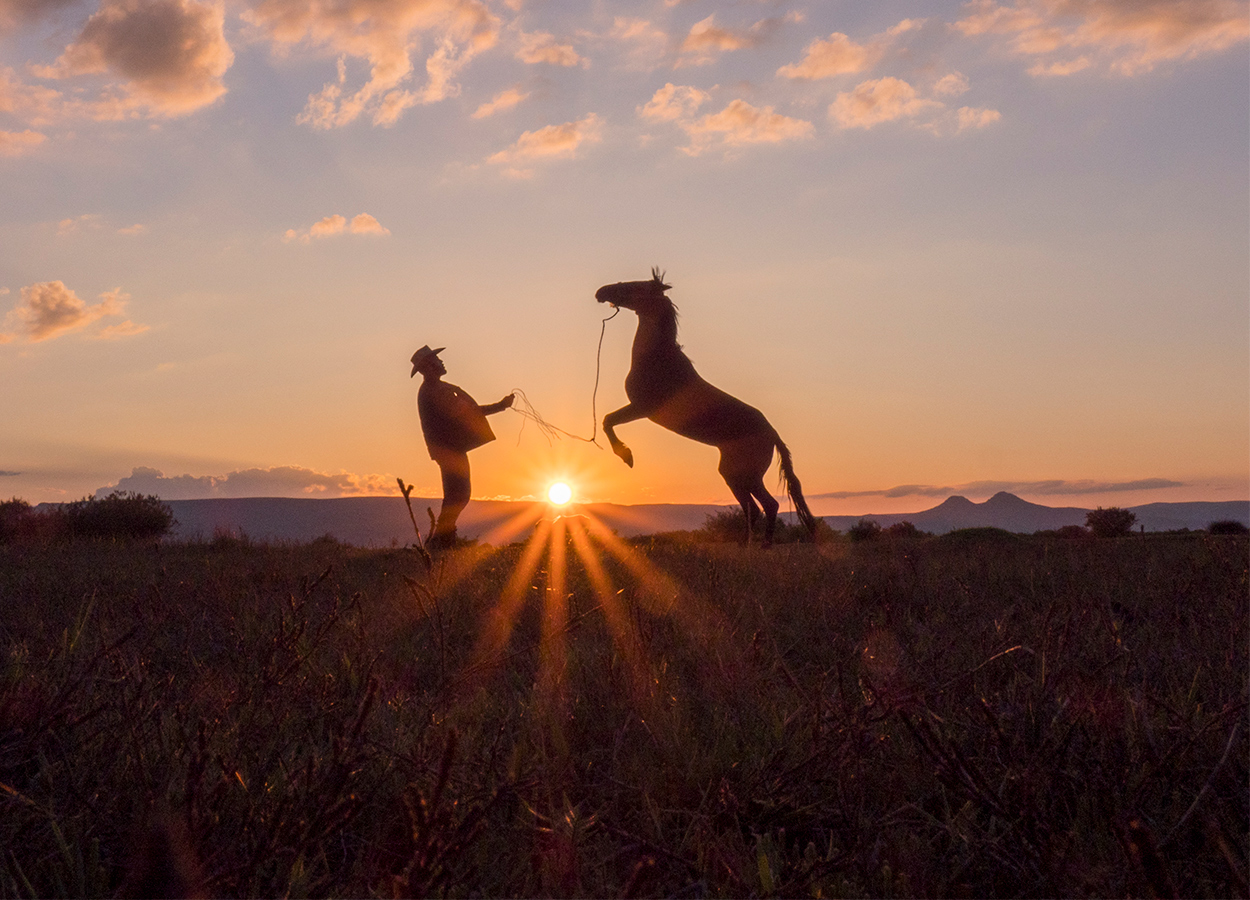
x=422, y=356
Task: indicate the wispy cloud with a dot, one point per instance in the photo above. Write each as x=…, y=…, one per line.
x=19, y=143
x=277, y=481
x=672, y=103
x=986, y=488
x=385, y=34
x=1127, y=36
x=157, y=57
x=880, y=100
x=336, y=225
x=551, y=142
x=7, y=474
x=505, y=99
x=706, y=40
x=838, y=54
x=739, y=124
x=542, y=47
x=49, y=309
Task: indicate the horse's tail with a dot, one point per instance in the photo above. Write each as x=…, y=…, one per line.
x=791, y=483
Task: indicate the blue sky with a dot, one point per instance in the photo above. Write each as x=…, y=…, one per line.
x=945, y=247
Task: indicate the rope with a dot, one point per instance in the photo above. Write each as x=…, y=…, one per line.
x=549, y=431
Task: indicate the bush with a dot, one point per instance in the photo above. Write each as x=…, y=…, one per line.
x=1110, y=522
x=120, y=515
x=1228, y=526
x=864, y=530
x=15, y=519
x=730, y=526
x=904, y=531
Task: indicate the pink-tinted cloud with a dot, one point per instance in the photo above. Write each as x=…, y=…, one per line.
x=1128, y=36
x=335, y=225
x=740, y=124
x=49, y=309
x=706, y=40
x=542, y=47
x=162, y=57
x=120, y=330
x=972, y=117
x=839, y=55
x=19, y=143
x=874, y=102
x=20, y=12
x=645, y=45
x=277, y=481
x=505, y=99
x=552, y=142
x=673, y=102
x=386, y=34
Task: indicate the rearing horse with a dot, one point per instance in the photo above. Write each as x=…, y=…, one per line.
x=663, y=386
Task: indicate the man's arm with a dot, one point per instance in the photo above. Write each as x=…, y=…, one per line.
x=498, y=407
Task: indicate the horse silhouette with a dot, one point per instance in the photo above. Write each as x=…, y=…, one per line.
x=663, y=386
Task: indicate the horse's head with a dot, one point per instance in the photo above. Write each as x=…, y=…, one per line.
x=640, y=296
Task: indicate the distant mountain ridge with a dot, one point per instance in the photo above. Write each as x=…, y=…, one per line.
x=383, y=521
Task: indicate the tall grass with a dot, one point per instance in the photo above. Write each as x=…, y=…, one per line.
x=957, y=716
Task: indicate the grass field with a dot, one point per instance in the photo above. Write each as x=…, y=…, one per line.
x=973, y=715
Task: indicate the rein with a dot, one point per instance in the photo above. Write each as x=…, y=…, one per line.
x=549, y=431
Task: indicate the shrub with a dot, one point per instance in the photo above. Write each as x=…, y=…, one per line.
x=1072, y=532
x=904, y=531
x=864, y=530
x=15, y=519
x=1228, y=526
x=1110, y=522
x=120, y=515
x=730, y=525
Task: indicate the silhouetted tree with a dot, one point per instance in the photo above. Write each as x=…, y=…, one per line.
x=1228, y=526
x=864, y=530
x=1110, y=522
x=119, y=515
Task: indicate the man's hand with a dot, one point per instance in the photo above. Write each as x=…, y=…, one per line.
x=506, y=402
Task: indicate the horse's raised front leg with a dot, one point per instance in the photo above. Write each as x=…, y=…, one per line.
x=627, y=413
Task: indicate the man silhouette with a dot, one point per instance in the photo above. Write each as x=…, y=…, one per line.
x=453, y=424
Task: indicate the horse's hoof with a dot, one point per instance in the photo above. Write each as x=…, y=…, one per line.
x=626, y=455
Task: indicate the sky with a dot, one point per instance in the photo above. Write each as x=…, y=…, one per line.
x=945, y=247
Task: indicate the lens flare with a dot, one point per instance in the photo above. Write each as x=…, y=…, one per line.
x=559, y=493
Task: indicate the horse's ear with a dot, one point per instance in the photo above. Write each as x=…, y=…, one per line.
x=658, y=277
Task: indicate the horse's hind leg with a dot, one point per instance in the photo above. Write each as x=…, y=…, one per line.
x=742, y=465
x=770, y=510
x=750, y=510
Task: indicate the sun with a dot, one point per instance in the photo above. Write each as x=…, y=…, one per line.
x=559, y=494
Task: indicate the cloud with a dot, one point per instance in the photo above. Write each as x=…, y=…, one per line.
x=873, y=102
x=385, y=34
x=839, y=55
x=19, y=143
x=541, y=47
x=49, y=309
x=1128, y=36
x=133, y=229
x=551, y=142
x=277, y=481
x=121, y=330
x=169, y=57
x=706, y=40
x=335, y=225
x=6, y=474
x=739, y=124
x=951, y=85
x=505, y=99
x=971, y=117
x=21, y=12
x=987, y=488
x=673, y=102
x=72, y=225
x=647, y=45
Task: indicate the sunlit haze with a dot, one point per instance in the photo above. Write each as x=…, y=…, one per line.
x=946, y=247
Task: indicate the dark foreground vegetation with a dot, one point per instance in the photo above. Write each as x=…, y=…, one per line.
x=973, y=715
